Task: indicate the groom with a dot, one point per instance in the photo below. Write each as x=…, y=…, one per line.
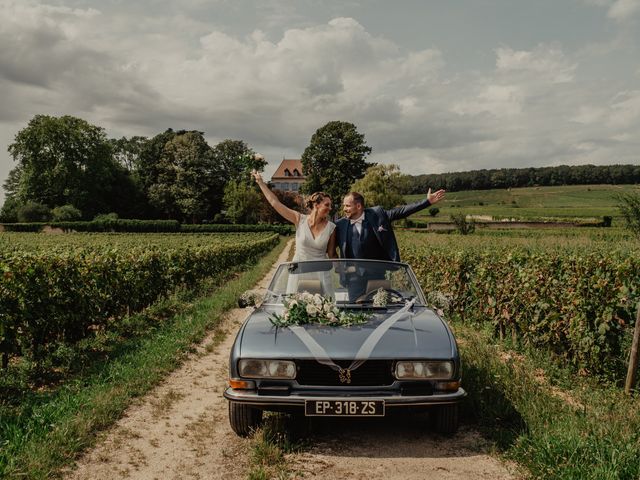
x=367, y=232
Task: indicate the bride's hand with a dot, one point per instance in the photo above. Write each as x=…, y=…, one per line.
x=256, y=176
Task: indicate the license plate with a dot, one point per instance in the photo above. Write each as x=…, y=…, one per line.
x=344, y=408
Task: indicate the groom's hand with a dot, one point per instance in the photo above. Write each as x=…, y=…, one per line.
x=435, y=197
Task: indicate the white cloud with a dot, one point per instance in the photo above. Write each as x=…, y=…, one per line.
x=622, y=10
x=625, y=111
x=547, y=62
x=139, y=74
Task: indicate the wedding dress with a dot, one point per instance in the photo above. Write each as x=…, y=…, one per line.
x=310, y=248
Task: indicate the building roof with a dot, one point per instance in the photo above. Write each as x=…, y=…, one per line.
x=291, y=165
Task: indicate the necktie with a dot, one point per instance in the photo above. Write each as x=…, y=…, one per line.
x=355, y=240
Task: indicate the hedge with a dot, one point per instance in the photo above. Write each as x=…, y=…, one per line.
x=579, y=302
x=48, y=298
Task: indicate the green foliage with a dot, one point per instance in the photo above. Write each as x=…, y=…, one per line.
x=63, y=160
x=58, y=295
x=504, y=178
x=66, y=213
x=287, y=229
x=433, y=211
x=237, y=160
x=575, y=299
x=105, y=217
x=463, y=226
x=381, y=186
x=33, y=212
x=569, y=203
x=9, y=211
x=242, y=202
x=629, y=205
x=334, y=159
x=127, y=151
x=44, y=429
x=188, y=181
x=553, y=423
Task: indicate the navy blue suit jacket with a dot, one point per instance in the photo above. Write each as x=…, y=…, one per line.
x=379, y=220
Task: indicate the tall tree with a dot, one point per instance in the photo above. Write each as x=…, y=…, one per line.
x=381, y=185
x=242, y=202
x=189, y=182
x=236, y=160
x=127, y=151
x=63, y=160
x=334, y=159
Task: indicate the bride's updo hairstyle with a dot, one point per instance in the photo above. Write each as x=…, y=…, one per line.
x=315, y=199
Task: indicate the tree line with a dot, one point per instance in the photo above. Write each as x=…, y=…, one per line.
x=524, y=177
x=68, y=169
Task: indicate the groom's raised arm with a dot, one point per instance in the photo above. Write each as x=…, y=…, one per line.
x=404, y=211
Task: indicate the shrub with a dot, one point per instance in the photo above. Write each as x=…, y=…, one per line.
x=433, y=211
x=629, y=206
x=33, y=212
x=463, y=225
x=66, y=213
x=105, y=217
x=9, y=212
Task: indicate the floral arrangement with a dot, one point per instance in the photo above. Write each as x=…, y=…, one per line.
x=383, y=297
x=303, y=308
x=251, y=298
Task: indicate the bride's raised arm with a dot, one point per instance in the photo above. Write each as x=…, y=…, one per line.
x=288, y=214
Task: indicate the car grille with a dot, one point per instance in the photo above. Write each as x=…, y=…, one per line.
x=370, y=373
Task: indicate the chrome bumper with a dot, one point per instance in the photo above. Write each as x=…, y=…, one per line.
x=391, y=399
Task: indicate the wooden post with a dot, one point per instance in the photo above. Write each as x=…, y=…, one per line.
x=633, y=357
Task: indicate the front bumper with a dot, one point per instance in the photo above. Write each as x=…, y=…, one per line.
x=298, y=398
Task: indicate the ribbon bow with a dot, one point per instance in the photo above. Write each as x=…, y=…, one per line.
x=357, y=220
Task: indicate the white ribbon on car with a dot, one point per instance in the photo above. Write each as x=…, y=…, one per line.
x=321, y=356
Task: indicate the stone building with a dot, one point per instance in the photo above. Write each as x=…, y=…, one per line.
x=288, y=177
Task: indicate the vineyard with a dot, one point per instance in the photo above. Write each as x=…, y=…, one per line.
x=572, y=295
x=58, y=289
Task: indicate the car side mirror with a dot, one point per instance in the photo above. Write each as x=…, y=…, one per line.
x=250, y=298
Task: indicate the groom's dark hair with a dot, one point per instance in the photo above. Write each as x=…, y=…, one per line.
x=356, y=197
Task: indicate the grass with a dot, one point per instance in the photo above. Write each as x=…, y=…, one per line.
x=571, y=202
x=551, y=422
x=269, y=446
x=48, y=427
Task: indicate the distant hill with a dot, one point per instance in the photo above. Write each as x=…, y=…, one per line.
x=525, y=177
x=569, y=202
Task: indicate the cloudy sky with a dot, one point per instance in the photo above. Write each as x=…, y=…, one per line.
x=434, y=85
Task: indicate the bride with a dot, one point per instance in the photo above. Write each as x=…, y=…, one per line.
x=315, y=234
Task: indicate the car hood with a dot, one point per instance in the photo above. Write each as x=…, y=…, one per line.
x=422, y=335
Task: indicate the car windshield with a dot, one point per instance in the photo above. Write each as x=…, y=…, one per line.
x=370, y=283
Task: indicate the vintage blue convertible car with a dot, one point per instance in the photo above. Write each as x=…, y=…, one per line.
x=371, y=345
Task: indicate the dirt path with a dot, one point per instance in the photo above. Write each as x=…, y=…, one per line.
x=180, y=430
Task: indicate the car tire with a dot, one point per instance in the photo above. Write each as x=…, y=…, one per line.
x=244, y=419
x=446, y=419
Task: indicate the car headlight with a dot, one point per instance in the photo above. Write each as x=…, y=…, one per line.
x=252, y=368
x=424, y=370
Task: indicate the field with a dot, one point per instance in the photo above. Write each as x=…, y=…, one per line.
x=572, y=202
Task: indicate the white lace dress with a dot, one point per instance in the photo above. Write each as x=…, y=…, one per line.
x=310, y=248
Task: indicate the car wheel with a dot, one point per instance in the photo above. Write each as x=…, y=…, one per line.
x=446, y=419
x=243, y=418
